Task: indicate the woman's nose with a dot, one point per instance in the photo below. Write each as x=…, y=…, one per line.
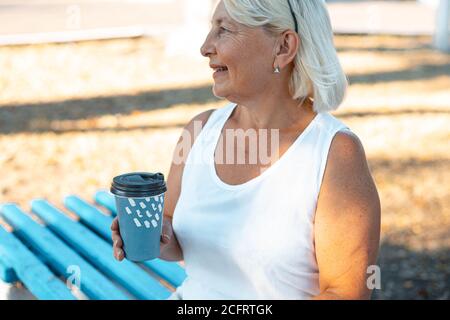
x=207, y=48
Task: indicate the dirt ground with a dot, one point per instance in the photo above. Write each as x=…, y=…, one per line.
x=72, y=116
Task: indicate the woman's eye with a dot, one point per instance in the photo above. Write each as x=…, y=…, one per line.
x=222, y=29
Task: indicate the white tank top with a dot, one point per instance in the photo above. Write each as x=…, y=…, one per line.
x=253, y=240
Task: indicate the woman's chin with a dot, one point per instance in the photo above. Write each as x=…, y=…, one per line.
x=218, y=92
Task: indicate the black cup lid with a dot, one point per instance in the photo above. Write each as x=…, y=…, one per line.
x=138, y=184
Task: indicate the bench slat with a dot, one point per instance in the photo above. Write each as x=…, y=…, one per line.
x=95, y=219
x=90, y=216
x=60, y=256
x=36, y=276
x=104, y=198
x=7, y=273
x=99, y=253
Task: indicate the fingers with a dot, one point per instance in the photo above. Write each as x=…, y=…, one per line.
x=117, y=248
x=115, y=224
x=117, y=241
x=119, y=254
x=115, y=234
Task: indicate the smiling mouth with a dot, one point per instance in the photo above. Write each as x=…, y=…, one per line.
x=220, y=71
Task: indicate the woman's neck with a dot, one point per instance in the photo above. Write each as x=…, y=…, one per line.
x=287, y=115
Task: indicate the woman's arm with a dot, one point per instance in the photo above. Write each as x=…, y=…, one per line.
x=347, y=222
x=171, y=251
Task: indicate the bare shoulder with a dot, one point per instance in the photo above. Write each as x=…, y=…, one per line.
x=347, y=148
x=190, y=132
x=347, y=168
x=202, y=118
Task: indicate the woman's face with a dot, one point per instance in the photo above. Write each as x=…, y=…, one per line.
x=247, y=53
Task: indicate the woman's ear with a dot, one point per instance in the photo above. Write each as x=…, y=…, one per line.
x=287, y=48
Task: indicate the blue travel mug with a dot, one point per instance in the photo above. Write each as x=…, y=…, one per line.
x=140, y=206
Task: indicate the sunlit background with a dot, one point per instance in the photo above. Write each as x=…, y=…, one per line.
x=93, y=89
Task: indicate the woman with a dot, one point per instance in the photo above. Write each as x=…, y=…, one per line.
x=306, y=226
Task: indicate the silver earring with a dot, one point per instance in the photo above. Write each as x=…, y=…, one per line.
x=277, y=70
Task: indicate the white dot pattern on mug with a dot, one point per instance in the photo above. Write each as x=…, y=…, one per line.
x=138, y=221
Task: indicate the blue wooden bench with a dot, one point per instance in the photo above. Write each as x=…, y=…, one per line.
x=49, y=249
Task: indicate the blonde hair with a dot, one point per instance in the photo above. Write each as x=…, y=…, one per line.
x=317, y=73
